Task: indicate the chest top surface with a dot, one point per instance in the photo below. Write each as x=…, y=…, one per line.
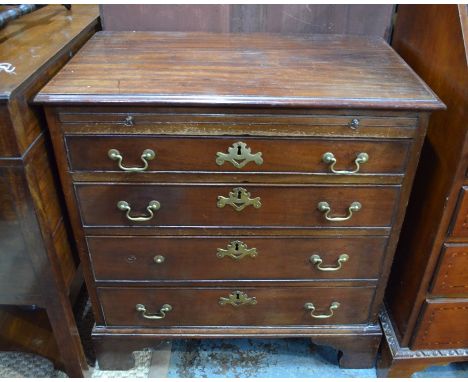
x=239, y=69
x=33, y=40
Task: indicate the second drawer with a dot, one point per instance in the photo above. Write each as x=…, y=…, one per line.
x=196, y=205
x=227, y=258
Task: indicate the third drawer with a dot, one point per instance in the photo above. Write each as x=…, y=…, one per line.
x=241, y=258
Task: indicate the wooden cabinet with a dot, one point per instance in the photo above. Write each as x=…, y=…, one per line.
x=426, y=321
x=38, y=263
x=236, y=185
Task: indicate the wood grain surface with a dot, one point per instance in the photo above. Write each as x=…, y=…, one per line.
x=214, y=69
x=200, y=306
x=196, y=205
x=90, y=153
x=31, y=41
x=195, y=258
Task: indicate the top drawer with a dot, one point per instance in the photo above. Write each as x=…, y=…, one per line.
x=263, y=122
x=236, y=154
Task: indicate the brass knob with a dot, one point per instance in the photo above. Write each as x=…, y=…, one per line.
x=159, y=259
x=128, y=121
x=354, y=124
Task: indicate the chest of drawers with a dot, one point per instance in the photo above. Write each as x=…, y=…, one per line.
x=236, y=185
x=426, y=317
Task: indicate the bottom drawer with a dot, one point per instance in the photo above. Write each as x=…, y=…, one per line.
x=265, y=306
x=444, y=325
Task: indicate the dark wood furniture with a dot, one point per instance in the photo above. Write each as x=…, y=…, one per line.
x=37, y=263
x=201, y=197
x=426, y=321
x=355, y=19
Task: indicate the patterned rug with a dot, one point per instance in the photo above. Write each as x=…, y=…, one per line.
x=24, y=365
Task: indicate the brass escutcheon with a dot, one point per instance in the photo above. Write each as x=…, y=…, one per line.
x=239, y=198
x=237, y=250
x=239, y=155
x=237, y=298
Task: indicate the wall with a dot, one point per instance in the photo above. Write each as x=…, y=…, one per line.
x=276, y=18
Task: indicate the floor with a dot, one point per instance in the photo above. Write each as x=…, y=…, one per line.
x=248, y=358
x=288, y=358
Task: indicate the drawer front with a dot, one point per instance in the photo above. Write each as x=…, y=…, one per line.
x=235, y=258
x=261, y=206
x=240, y=122
x=443, y=325
x=237, y=154
x=243, y=306
x=451, y=278
x=460, y=225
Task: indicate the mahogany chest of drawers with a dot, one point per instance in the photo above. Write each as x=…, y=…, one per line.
x=236, y=185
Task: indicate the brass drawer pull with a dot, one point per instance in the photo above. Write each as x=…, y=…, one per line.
x=239, y=198
x=146, y=156
x=317, y=261
x=152, y=206
x=237, y=250
x=311, y=307
x=237, y=298
x=325, y=208
x=153, y=316
x=239, y=155
x=330, y=159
